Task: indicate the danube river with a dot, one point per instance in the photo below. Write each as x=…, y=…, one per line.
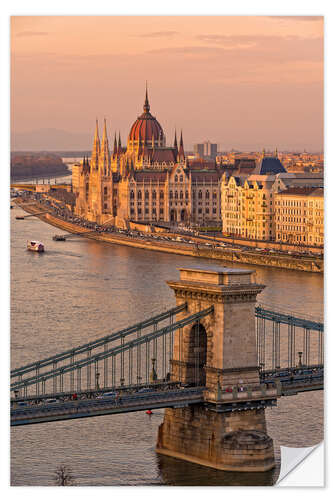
x=82, y=289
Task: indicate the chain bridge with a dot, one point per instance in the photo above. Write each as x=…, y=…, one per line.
x=133, y=365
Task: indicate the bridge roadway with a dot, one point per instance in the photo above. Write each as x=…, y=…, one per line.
x=42, y=411
x=35, y=414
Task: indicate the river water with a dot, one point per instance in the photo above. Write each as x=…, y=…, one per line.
x=79, y=290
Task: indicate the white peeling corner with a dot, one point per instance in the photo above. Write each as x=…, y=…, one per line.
x=302, y=466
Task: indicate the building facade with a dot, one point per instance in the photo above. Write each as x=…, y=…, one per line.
x=300, y=216
x=147, y=180
x=255, y=203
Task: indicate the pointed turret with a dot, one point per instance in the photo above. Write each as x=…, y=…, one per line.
x=96, y=148
x=181, y=153
x=104, y=159
x=115, y=145
x=119, y=143
x=146, y=107
x=175, y=145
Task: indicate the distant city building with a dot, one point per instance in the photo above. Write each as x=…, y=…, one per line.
x=205, y=150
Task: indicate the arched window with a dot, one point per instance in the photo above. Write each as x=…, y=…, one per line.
x=181, y=195
x=176, y=195
x=186, y=195
x=200, y=195
x=154, y=195
x=147, y=195
x=139, y=195
x=132, y=195
x=161, y=195
x=171, y=195
x=105, y=191
x=176, y=178
x=181, y=178
x=207, y=195
x=214, y=195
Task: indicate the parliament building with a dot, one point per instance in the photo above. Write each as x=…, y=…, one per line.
x=146, y=181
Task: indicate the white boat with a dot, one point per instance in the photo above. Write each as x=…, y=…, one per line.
x=35, y=246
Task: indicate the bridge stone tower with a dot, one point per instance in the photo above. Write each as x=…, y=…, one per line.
x=220, y=353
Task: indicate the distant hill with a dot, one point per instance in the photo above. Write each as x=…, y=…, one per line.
x=24, y=166
x=50, y=139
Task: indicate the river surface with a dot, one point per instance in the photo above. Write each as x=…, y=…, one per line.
x=79, y=290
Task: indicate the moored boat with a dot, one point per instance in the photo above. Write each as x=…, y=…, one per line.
x=35, y=246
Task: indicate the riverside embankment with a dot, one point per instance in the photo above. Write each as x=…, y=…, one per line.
x=306, y=264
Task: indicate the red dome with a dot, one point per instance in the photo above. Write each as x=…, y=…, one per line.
x=146, y=126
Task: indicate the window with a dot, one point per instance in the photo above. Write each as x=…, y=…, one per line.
x=105, y=206
x=105, y=191
x=132, y=195
x=139, y=195
x=214, y=195
x=181, y=178
x=186, y=195
x=207, y=195
x=176, y=178
x=181, y=195
x=207, y=210
x=176, y=195
x=146, y=195
x=200, y=195
x=161, y=195
x=154, y=195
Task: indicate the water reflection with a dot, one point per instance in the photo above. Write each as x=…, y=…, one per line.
x=176, y=472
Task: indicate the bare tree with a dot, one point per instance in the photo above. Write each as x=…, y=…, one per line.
x=63, y=476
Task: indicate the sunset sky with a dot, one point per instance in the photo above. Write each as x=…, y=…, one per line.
x=243, y=82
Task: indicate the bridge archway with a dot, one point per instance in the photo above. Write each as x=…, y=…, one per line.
x=197, y=353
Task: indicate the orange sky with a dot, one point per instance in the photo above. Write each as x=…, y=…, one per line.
x=244, y=82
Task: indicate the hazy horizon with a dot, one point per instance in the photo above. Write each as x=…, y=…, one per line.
x=244, y=82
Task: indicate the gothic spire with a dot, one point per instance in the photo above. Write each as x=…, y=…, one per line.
x=181, y=153
x=115, y=146
x=146, y=106
x=96, y=147
x=105, y=142
x=119, y=141
x=175, y=145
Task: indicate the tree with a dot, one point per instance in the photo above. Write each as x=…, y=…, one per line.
x=63, y=476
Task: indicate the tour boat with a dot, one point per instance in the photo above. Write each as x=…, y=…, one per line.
x=35, y=246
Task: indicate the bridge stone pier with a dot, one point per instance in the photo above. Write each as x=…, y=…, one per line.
x=228, y=430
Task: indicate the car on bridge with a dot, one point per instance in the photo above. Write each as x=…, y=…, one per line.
x=107, y=395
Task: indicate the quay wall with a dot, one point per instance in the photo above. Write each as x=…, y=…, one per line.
x=236, y=256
